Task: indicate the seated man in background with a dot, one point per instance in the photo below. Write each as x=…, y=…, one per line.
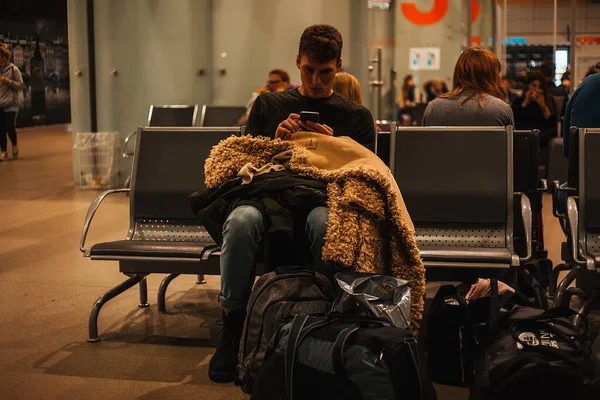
x=278, y=81
x=277, y=115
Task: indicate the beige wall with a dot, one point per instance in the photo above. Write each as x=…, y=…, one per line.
x=256, y=36
x=535, y=22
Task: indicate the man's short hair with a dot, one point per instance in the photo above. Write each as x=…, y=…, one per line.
x=321, y=43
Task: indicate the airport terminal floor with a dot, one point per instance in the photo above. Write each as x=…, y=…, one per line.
x=47, y=289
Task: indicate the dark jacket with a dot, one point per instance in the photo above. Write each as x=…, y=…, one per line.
x=583, y=109
x=284, y=198
x=532, y=117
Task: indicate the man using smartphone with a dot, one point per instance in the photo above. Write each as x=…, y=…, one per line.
x=319, y=58
x=277, y=115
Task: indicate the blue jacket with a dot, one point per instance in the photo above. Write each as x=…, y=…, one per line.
x=583, y=109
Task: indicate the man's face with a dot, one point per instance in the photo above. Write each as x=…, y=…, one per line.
x=3, y=62
x=317, y=78
x=275, y=84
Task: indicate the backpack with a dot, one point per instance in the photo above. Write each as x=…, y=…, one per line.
x=454, y=329
x=275, y=299
x=503, y=350
x=343, y=356
x=536, y=354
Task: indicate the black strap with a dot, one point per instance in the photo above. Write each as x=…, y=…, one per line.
x=335, y=316
x=338, y=349
x=298, y=332
x=565, y=312
x=290, y=354
x=494, y=304
x=413, y=352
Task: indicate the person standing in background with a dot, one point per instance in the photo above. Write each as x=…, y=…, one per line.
x=11, y=85
x=407, y=99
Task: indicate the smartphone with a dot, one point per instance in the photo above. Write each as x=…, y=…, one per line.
x=312, y=116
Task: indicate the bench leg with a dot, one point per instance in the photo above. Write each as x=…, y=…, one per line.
x=585, y=308
x=559, y=300
x=143, y=293
x=570, y=292
x=200, y=279
x=102, y=300
x=554, y=280
x=162, y=291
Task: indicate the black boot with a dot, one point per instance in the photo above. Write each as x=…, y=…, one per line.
x=223, y=364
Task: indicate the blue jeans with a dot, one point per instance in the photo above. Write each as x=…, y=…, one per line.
x=242, y=234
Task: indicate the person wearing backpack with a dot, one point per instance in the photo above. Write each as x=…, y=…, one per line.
x=11, y=85
x=276, y=115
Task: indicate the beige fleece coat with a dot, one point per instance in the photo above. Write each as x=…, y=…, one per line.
x=369, y=228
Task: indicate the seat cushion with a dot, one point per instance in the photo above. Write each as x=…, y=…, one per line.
x=474, y=255
x=151, y=248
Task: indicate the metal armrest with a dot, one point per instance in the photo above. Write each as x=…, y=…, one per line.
x=555, y=189
x=577, y=248
x=543, y=185
x=92, y=210
x=573, y=220
x=126, y=143
x=527, y=224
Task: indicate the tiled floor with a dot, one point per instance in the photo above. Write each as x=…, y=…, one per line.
x=47, y=289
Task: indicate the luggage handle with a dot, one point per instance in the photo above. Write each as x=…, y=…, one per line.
x=289, y=269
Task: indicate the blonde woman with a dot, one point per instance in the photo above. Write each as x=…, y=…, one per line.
x=11, y=85
x=348, y=86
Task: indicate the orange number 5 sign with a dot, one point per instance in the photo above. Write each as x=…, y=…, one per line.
x=435, y=15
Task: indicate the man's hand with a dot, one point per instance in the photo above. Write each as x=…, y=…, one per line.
x=293, y=124
x=288, y=126
x=4, y=80
x=310, y=126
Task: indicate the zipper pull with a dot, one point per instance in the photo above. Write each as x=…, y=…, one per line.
x=380, y=358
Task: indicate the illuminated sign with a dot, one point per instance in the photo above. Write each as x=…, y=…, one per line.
x=382, y=5
x=516, y=41
x=436, y=14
